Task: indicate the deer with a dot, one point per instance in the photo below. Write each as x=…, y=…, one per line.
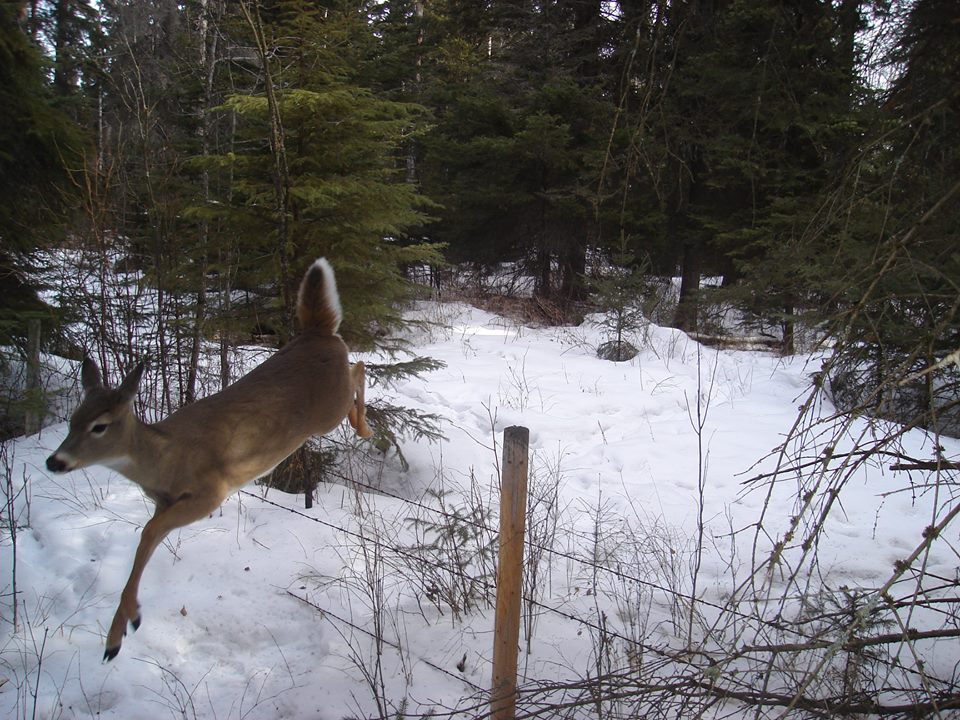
x=192, y=460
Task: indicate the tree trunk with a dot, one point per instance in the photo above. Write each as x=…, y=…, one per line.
x=541, y=273
x=686, y=317
x=226, y=308
x=788, y=326
x=574, y=268
x=63, y=62
x=208, y=52
x=33, y=417
x=281, y=172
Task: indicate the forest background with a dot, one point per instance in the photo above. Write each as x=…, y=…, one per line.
x=804, y=152
x=794, y=161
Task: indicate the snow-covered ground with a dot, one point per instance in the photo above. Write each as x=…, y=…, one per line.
x=266, y=610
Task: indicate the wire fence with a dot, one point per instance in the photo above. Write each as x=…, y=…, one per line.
x=531, y=544
x=790, y=636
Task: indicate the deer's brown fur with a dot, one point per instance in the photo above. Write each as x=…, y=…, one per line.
x=192, y=460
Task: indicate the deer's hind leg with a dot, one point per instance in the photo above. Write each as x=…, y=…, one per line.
x=168, y=516
x=358, y=412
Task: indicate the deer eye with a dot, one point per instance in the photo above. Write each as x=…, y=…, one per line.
x=99, y=429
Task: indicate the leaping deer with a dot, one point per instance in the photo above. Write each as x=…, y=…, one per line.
x=191, y=461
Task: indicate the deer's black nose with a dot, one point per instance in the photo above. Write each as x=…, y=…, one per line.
x=55, y=464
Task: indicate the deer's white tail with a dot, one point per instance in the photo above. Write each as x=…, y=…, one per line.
x=318, y=303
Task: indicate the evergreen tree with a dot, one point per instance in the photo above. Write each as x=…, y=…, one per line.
x=38, y=142
x=520, y=131
x=72, y=29
x=773, y=159
x=894, y=305
x=740, y=112
x=339, y=188
x=617, y=291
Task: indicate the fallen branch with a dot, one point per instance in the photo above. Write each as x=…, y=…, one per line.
x=732, y=342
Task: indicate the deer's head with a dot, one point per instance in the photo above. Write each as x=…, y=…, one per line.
x=98, y=428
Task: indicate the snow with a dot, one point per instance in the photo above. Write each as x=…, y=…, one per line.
x=245, y=613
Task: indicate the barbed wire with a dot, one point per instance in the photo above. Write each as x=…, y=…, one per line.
x=689, y=656
x=395, y=646
x=615, y=571
x=463, y=575
x=532, y=602
x=683, y=655
x=662, y=652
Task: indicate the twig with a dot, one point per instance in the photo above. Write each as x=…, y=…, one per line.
x=927, y=465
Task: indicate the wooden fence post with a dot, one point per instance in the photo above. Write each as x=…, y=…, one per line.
x=33, y=414
x=513, y=512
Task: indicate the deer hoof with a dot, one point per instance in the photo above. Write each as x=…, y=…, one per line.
x=110, y=653
x=135, y=623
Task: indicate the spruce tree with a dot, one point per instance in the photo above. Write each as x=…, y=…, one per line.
x=772, y=159
x=341, y=179
x=740, y=112
x=39, y=141
x=520, y=129
x=319, y=168
x=894, y=306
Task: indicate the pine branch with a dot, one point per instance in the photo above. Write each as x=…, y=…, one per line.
x=388, y=375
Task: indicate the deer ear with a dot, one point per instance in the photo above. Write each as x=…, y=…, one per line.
x=128, y=388
x=90, y=376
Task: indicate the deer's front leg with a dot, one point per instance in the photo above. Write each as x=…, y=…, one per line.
x=184, y=510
